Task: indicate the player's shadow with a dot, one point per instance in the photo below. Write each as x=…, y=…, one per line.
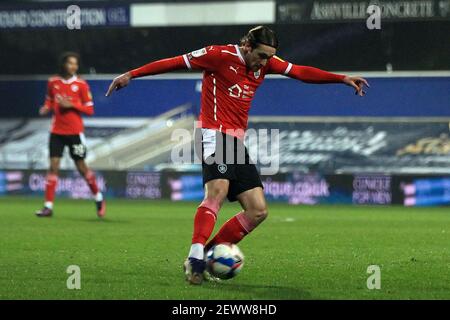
x=97, y=220
x=265, y=291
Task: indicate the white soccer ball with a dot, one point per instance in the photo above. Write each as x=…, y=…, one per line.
x=224, y=260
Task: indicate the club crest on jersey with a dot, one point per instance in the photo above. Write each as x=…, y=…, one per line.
x=222, y=168
x=74, y=88
x=257, y=74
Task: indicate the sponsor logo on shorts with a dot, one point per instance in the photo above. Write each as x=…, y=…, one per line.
x=222, y=168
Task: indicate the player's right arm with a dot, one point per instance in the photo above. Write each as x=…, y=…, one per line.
x=152, y=68
x=206, y=58
x=48, y=103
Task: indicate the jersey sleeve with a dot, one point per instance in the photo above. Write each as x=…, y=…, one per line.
x=276, y=65
x=86, y=96
x=49, y=96
x=86, y=104
x=207, y=58
x=303, y=73
x=160, y=66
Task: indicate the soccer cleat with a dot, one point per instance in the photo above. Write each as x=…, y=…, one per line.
x=209, y=277
x=194, y=270
x=44, y=212
x=101, y=208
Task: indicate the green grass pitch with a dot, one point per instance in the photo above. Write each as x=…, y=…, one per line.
x=300, y=252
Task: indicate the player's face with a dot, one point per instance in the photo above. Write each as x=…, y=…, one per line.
x=259, y=56
x=71, y=66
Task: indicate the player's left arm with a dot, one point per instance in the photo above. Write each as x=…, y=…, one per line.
x=314, y=75
x=84, y=105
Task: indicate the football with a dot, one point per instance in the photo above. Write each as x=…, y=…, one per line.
x=224, y=260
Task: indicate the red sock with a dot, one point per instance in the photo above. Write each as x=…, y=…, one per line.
x=92, y=183
x=204, y=222
x=233, y=231
x=50, y=187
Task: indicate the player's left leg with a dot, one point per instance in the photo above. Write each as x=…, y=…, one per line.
x=254, y=212
x=89, y=176
x=78, y=153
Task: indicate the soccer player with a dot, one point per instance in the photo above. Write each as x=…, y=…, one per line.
x=68, y=97
x=231, y=75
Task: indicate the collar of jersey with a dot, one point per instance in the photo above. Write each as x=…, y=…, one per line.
x=238, y=52
x=70, y=80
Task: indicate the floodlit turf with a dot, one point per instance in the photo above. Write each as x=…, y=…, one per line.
x=298, y=253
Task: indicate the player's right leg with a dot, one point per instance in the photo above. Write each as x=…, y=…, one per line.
x=51, y=182
x=205, y=218
x=56, y=149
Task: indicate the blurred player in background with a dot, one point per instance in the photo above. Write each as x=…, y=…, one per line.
x=68, y=97
x=231, y=75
